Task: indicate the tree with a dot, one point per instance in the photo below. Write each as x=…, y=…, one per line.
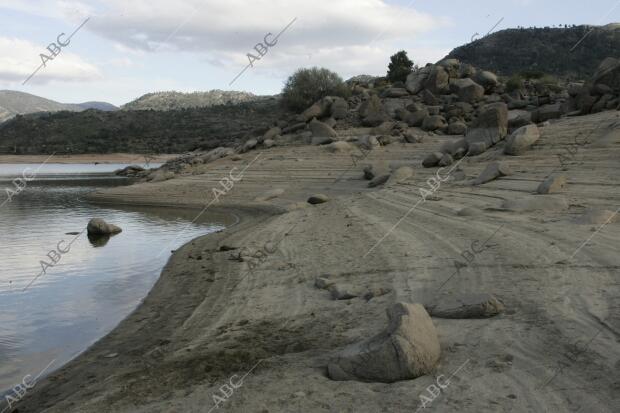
x=400, y=67
x=306, y=86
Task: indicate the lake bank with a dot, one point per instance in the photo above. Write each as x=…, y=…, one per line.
x=211, y=318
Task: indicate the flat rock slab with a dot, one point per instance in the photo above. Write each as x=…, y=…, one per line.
x=406, y=349
x=466, y=306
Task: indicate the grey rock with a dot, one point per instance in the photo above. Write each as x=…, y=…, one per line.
x=521, y=139
x=457, y=128
x=406, y=349
x=372, y=112
x=491, y=125
x=467, y=90
x=378, y=180
x=432, y=159
x=320, y=129
x=340, y=292
x=433, y=122
x=98, y=226
x=552, y=185
x=446, y=160
x=318, y=199
x=466, y=306
x=339, y=108
x=493, y=171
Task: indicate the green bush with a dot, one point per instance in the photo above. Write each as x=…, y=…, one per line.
x=306, y=86
x=550, y=82
x=514, y=83
x=532, y=74
x=400, y=67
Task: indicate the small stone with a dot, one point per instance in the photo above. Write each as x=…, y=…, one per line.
x=318, y=199
x=552, y=185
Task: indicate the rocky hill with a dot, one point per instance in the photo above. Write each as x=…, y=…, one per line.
x=18, y=103
x=572, y=52
x=146, y=131
x=178, y=100
x=14, y=103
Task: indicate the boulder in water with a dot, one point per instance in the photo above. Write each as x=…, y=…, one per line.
x=98, y=226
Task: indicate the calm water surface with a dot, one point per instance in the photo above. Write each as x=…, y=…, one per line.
x=94, y=285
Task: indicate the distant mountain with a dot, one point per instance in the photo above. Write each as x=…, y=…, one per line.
x=18, y=103
x=103, y=106
x=178, y=100
x=14, y=103
x=570, y=52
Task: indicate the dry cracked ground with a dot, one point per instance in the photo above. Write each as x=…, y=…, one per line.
x=260, y=338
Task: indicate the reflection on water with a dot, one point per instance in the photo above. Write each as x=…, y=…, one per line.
x=87, y=290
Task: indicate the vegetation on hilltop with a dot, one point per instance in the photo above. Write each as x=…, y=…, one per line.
x=568, y=52
x=136, y=131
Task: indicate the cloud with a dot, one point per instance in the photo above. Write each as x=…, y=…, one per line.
x=19, y=58
x=225, y=32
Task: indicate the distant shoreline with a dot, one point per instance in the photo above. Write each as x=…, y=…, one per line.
x=127, y=158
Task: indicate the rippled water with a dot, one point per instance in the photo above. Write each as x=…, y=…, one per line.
x=94, y=285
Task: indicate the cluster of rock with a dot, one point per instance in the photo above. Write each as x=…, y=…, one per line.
x=449, y=97
x=601, y=92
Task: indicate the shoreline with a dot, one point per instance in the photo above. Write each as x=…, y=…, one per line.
x=123, y=158
x=208, y=318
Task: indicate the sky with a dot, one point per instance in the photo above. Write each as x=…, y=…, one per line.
x=126, y=48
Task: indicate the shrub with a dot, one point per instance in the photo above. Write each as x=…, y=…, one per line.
x=550, y=82
x=400, y=67
x=532, y=74
x=306, y=86
x=514, y=83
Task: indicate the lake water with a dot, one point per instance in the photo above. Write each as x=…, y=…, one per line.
x=47, y=318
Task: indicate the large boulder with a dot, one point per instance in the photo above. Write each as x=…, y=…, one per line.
x=98, y=226
x=339, y=108
x=372, y=112
x=491, y=126
x=318, y=110
x=406, y=349
x=467, y=90
x=438, y=81
x=487, y=80
x=416, y=118
x=608, y=74
x=416, y=80
x=547, y=112
x=521, y=140
x=518, y=118
x=320, y=129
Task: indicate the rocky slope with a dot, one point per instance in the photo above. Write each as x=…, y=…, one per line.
x=566, y=52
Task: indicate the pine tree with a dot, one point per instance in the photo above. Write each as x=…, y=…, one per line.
x=400, y=67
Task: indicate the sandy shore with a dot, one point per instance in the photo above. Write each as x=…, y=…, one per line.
x=210, y=321
x=86, y=158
